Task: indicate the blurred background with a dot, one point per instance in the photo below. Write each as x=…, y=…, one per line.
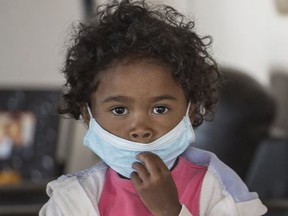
x=249, y=132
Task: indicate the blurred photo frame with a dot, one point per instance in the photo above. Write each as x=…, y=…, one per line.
x=29, y=125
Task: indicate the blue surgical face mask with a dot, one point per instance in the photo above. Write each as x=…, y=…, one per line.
x=120, y=153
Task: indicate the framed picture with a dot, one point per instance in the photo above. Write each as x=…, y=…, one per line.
x=29, y=126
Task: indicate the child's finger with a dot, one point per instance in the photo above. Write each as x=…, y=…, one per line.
x=143, y=173
x=152, y=162
x=135, y=179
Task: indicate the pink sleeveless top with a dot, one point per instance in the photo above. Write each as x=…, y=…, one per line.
x=120, y=198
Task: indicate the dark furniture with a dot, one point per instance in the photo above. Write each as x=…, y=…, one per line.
x=243, y=119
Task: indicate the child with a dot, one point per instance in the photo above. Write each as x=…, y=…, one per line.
x=139, y=77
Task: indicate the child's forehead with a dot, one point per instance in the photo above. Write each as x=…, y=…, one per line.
x=134, y=63
x=142, y=68
x=129, y=73
x=137, y=60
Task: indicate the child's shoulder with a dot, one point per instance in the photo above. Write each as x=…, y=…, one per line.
x=83, y=179
x=99, y=167
x=223, y=187
x=220, y=174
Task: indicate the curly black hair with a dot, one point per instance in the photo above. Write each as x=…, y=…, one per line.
x=133, y=30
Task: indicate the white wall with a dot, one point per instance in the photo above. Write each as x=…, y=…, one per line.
x=249, y=35
x=31, y=40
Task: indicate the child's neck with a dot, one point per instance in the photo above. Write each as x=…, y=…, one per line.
x=174, y=165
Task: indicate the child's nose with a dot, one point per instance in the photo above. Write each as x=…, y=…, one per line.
x=141, y=132
x=143, y=136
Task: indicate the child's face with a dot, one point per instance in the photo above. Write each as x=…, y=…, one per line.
x=139, y=101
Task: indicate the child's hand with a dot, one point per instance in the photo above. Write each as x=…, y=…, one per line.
x=155, y=186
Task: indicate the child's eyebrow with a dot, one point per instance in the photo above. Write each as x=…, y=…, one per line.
x=118, y=99
x=128, y=99
x=163, y=97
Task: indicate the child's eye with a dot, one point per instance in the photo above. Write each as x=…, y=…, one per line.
x=120, y=111
x=160, y=110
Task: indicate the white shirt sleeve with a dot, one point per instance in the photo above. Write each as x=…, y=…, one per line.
x=216, y=201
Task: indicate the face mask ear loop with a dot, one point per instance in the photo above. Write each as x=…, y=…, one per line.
x=188, y=108
x=89, y=111
x=202, y=110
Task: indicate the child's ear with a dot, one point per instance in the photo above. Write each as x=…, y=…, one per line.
x=85, y=114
